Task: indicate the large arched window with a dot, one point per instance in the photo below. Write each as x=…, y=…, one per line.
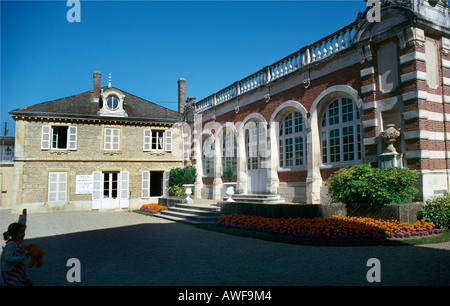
x=341, y=132
x=292, y=141
x=229, y=148
x=208, y=156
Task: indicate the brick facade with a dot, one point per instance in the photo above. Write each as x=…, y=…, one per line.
x=396, y=72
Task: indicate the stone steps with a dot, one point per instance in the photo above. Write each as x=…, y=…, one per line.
x=192, y=213
x=258, y=198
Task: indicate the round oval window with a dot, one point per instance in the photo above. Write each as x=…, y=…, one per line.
x=112, y=102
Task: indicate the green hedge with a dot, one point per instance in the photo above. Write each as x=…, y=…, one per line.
x=363, y=184
x=437, y=211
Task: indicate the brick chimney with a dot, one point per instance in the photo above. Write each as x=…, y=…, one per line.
x=181, y=95
x=96, y=89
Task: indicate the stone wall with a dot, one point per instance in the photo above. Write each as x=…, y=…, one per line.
x=33, y=164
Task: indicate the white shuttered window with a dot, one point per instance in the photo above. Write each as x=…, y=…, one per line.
x=58, y=137
x=112, y=139
x=145, y=184
x=57, y=186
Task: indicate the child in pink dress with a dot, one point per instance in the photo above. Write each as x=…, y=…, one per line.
x=13, y=268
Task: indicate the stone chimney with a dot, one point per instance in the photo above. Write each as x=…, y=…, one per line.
x=96, y=89
x=181, y=95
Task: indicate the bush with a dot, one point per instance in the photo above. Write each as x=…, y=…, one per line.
x=437, y=211
x=362, y=184
x=228, y=173
x=178, y=177
x=177, y=191
x=189, y=175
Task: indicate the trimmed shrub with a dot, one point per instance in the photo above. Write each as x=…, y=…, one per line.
x=189, y=175
x=178, y=177
x=228, y=173
x=362, y=184
x=437, y=211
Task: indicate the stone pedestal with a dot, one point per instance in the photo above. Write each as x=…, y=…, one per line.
x=392, y=159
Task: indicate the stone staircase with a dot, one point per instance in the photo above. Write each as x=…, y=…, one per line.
x=192, y=213
x=258, y=198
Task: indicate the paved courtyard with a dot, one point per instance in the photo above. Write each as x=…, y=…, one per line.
x=125, y=248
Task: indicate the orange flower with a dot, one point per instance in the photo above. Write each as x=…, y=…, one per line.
x=334, y=226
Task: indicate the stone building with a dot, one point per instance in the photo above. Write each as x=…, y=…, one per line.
x=287, y=127
x=101, y=149
x=6, y=169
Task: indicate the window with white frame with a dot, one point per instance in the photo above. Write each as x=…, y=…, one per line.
x=112, y=139
x=155, y=189
x=341, y=132
x=256, y=145
x=157, y=140
x=58, y=137
x=292, y=141
x=57, y=186
x=208, y=156
x=229, y=149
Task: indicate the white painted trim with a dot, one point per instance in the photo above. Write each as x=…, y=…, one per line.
x=411, y=57
x=414, y=75
x=415, y=95
x=367, y=71
x=428, y=154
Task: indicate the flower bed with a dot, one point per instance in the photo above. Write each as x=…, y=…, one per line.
x=330, y=228
x=152, y=208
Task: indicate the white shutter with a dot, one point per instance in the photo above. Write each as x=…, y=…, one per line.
x=168, y=141
x=62, y=186
x=112, y=139
x=57, y=186
x=124, y=188
x=147, y=140
x=97, y=190
x=52, y=186
x=46, y=137
x=108, y=139
x=116, y=140
x=72, y=138
x=145, y=184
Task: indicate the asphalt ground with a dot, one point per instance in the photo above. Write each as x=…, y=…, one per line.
x=128, y=249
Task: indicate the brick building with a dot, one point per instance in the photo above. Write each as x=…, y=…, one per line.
x=288, y=126
x=101, y=149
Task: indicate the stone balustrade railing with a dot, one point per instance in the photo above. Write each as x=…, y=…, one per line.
x=315, y=52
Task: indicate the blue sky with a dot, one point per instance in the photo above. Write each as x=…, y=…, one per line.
x=148, y=45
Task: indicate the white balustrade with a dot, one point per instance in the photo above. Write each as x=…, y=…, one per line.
x=319, y=50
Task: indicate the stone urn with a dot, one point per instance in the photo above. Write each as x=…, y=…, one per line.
x=229, y=190
x=188, y=189
x=390, y=135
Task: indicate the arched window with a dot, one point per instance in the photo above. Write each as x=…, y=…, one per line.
x=292, y=141
x=256, y=145
x=229, y=148
x=208, y=156
x=341, y=132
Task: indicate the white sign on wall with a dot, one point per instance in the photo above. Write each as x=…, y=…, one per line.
x=84, y=184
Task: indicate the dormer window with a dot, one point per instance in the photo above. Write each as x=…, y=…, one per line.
x=112, y=103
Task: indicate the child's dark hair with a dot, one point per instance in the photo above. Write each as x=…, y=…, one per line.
x=12, y=228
